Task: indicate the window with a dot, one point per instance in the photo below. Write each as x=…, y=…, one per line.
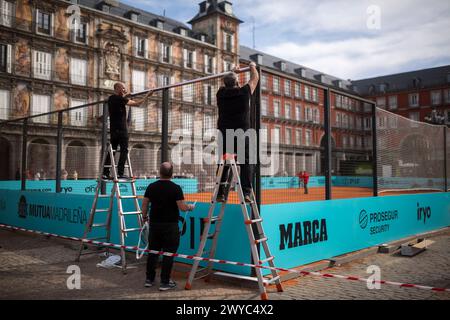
x=4, y=104
x=288, y=136
x=393, y=103
x=210, y=64
x=344, y=141
x=276, y=135
x=367, y=123
x=263, y=133
x=138, y=80
x=7, y=13
x=276, y=109
x=338, y=119
x=351, y=141
x=44, y=22
x=5, y=58
x=447, y=96
x=381, y=102
x=315, y=93
x=228, y=42
x=298, y=113
x=298, y=137
x=351, y=122
x=287, y=111
x=208, y=122
x=41, y=104
x=414, y=100
x=264, y=82
x=307, y=93
x=42, y=62
x=138, y=118
x=338, y=101
x=187, y=123
x=189, y=58
x=140, y=47
x=358, y=142
x=358, y=123
x=227, y=66
x=78, y=71
x=287, y=87
x=297, y=89
x=188, y=92
x=345, y=121
x=316, y=115
x=276, y=84
x=308, y=114
x=435, y=98
x=207, y=94
x=80, y=32
x=308, y=138
x=165, y=52
x=77, y=116
x=264, y=106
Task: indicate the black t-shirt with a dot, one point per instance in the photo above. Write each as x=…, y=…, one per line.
x=163, y=196
x=234, y=107
x=117, y=112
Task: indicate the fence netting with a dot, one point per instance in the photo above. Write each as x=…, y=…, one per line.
x=410, y=154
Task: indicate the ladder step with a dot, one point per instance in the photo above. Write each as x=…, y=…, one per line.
x=213, y=219
x=131, y=230
x=260, y=240
x=272, y=280
x=101, y=210
x=128, y=197
x=130, y=213
x=211, y=235
x=123, y=180
x=253, y=221
x=99, y=225
x=266, y=260
x=110, y=166
x=104, y=196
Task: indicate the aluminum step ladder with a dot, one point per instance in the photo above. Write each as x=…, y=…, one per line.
x=115, y=193
x=254, y=239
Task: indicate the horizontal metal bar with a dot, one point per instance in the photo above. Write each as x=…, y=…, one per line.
x=214, y=76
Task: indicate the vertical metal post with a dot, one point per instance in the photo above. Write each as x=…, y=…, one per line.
x=165, y=126
x=328, y=151
x=374, y=151
x=24, y=154
x=257, y=127
x=104, y=141
x=59, y=139
x=445, y=160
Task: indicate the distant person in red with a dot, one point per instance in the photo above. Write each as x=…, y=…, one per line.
x=303, y=176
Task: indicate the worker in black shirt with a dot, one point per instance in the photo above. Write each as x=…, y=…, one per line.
x=118, y=125
x=166, y=200
x=234, y=113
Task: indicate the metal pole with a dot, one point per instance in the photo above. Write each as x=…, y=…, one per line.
x=59, y=139
x=328, y=151
x=445, y=160
x=374, y=151
x=24, y=154
x=165, y=126
x=104, y=141
x=257, y=127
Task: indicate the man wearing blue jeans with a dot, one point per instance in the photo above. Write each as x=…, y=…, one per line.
x=166, y=200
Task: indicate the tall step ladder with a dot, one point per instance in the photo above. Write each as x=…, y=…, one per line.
x=259, y=238
x=115, y=192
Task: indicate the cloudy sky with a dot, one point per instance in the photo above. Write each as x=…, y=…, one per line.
x=351, y=39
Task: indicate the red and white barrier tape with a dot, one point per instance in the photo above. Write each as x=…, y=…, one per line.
x=191, y=257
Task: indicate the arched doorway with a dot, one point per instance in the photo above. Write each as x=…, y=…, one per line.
x=77, y=164
x=41, y=159
x=5, y=165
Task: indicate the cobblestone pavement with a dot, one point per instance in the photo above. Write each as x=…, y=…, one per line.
x=34, y=267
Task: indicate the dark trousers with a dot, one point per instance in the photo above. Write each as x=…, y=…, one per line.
x=162, y=237
x=118, y=138
x=246, y=169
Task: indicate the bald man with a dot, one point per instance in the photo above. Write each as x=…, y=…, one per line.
x=166, y=200
x=118, y=125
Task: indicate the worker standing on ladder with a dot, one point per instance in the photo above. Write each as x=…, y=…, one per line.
x=166, y=200
x=118, y=125
x=234, y=113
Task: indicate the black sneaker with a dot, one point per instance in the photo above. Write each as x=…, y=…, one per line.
x=106, y=177
x=149, y=283
x=248, y=198
x=220, y=198
x=167, y=286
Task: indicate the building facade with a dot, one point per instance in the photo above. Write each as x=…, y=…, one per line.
x=51, y=60
x=421, y=95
